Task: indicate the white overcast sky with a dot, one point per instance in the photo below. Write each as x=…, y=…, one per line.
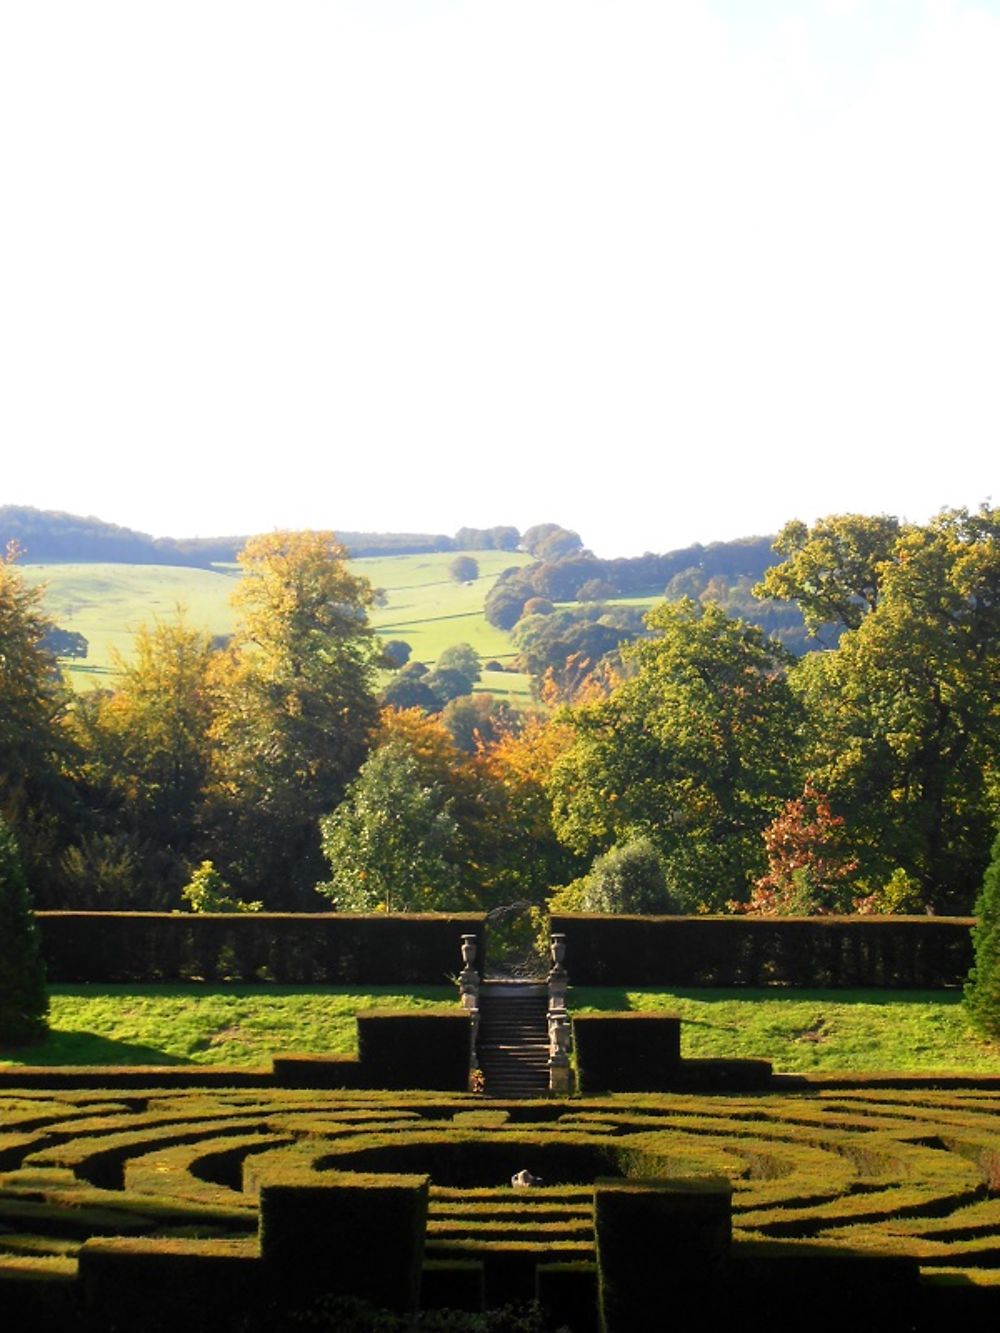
x=662, y=271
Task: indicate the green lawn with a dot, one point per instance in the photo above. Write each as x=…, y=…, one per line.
x=812, y=1031
x=799, y=1031
x=208, y=1025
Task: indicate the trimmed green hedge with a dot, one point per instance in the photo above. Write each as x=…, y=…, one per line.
x=423, y=1049
x=912, y=953
x=628, y=1052
x=346, y=1234
x=337, y=948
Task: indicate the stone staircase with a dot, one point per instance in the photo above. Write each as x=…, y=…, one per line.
x=513, y=1043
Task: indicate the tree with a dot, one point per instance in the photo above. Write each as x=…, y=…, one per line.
x=464, y=569
x=904, y=727
x=207, y=891
x=982, y=990
x=447, y=683
x=628, y=878
x=36, y=754
x=295, y=709
x=394, y=844
x=558, y=544
x=696, y=750
x=505, y=602
x=477, y=720
x=570, y=643
x=23, y=1000
x=461, y=657
x=834, y=569
x=810, y=869
x=396, y=652
x=533, y=538
x=410, y=691
x=528, y=857
x=146, y=747
x=65, y=643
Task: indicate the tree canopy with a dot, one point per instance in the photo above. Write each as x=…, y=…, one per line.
x=694, y=750
x=295, y=704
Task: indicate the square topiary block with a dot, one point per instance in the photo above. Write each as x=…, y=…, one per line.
x=346, y=1234
x=661, y=1244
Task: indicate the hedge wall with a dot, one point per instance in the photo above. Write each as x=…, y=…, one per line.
x=627, y=1052
x=908, y=952
x=337, y=948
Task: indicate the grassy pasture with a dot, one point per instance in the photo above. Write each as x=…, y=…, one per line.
x=423, y=605
x=799, y=1031
x=107, y=603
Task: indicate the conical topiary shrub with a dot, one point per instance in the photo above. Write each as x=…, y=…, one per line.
x=982, y=990
x=23, y=1000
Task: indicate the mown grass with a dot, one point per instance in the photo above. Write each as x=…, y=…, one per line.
x=817, y=1031
x=799, y=1031
x=423, y=605
x=214, y=1024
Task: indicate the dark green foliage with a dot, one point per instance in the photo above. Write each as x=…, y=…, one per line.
x=346, y=1234
x=630, y=1052
x=292, y=947
x=463, y=569
x=409, y=690
x=396, y=652
x=567, y=1292
x=487, y=539
x=447, y=683
x=479, y=719
x=505, y=600
x=982, y=991
x=910, y=953
x=49, y=535
x=415, y=1050
x=317, y=1071
x=628, y=878
x=162, y=1286
x=65, y=643
x=661, y=1244
x=23, y=999
x=571, y=641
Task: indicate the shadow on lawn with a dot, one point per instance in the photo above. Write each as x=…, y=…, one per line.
x=66, y=1047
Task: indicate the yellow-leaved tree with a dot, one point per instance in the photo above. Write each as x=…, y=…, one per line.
x=295, y=710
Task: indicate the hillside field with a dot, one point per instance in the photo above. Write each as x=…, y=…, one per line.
x=423, y=605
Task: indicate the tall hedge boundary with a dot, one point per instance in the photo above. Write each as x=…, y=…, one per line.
x=901, y=952
x=336, y=948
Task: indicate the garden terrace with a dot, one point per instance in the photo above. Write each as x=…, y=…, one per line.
x=135, y=1178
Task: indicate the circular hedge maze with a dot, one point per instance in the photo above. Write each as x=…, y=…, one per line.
x=911, y=1175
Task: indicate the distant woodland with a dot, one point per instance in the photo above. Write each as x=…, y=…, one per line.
x=44, y=534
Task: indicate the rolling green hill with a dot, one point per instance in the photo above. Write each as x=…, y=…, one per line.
x=422, y=605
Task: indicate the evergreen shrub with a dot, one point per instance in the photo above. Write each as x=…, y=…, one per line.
x=24, y=1002
x=982, y=991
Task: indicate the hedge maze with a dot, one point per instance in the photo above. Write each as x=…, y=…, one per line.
x=232, y=1209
